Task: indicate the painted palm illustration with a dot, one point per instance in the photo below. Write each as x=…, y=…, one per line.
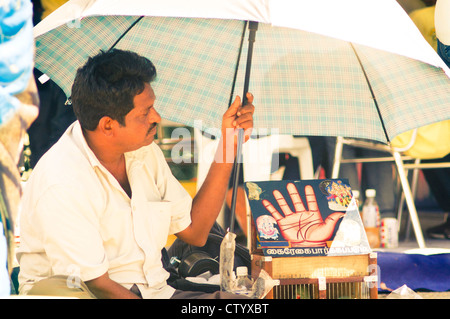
x=307, y=218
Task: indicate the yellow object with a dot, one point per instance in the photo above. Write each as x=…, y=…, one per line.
x=51, y=5
x=191, y=188
x=426, y=142
x=170, y=240
x=433, y=140
x=424, y=20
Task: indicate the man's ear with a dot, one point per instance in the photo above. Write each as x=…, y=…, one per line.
x=106, y=125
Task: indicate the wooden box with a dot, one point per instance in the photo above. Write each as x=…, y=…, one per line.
x=315, y=277
x=318, y=277
x=322, y=277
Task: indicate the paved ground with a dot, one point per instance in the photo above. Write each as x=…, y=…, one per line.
x=425, y=295
x=427, y=219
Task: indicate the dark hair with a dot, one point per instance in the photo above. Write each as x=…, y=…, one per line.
x=107, y=84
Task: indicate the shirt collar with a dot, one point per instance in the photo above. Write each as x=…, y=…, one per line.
x=80, y=140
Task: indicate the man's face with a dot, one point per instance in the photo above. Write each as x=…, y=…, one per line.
x=141, y=121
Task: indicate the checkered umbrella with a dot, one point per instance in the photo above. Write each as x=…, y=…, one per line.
x=304, y=83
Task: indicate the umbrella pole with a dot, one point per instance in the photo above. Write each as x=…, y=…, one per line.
x=253, y=27
x=227, y=246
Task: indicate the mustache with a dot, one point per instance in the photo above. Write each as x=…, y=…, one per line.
x=152, y=126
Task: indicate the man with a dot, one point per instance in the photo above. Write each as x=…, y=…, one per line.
x=102, y=201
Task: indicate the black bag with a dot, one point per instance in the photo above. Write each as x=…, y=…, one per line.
x=192, y=261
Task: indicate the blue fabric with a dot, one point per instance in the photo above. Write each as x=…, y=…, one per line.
x=418, y=272
x=16, y=53
x=444, y=52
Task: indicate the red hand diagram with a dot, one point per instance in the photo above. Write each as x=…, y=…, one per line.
x=303, y=228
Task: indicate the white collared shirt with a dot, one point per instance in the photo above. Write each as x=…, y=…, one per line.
x=76, y=219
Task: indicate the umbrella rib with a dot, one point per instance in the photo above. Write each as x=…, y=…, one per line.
x=126, y=31
x=69, y=99
x=371, y=92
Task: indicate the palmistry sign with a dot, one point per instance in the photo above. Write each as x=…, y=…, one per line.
x=303, y=218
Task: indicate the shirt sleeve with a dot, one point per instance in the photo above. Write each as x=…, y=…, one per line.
x=71, y=233
x=180, y=215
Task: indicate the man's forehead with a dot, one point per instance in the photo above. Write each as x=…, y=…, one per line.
x=146, y=97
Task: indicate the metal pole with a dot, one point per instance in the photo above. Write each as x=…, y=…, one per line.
x=337, y=157
x=409, y=199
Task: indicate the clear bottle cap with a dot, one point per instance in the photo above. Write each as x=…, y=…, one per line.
x=241, y=271
x=370, y=193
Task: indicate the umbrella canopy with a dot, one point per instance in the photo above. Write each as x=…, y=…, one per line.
x=331, y=87
x=304, y=83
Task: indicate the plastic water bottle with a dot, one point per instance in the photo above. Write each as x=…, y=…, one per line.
x=244, y=284
x=371, y=218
